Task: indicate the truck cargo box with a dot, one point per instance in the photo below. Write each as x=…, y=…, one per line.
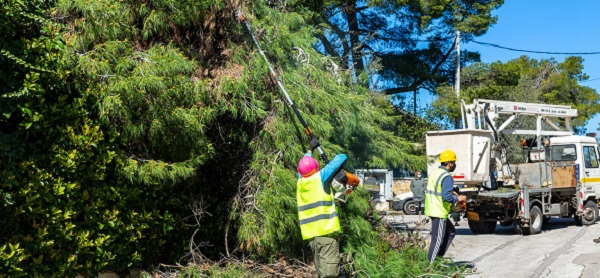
x=541, y=175
x=564, y=177
x=472, y=148
x=533, y=175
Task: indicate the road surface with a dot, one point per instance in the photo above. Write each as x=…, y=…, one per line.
x=562, y=250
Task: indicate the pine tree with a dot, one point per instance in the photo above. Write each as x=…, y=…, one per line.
x=180, y=135
x=175, y=115
x=402, y=46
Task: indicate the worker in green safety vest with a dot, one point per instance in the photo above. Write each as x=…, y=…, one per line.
x=317, y=212
x=439, y=196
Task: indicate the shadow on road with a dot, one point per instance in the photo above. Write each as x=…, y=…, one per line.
x=558, y=223
x=465, y=231
x=420, y=224
x=553, y=224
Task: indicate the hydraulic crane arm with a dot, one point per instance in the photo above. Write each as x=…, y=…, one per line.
x=493, y=108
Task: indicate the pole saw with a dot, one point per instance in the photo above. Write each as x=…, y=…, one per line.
x=275, y=77
x=343, y=178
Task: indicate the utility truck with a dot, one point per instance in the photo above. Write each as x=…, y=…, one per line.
x=559, y=177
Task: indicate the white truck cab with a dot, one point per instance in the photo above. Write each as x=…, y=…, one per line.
x=583, y=151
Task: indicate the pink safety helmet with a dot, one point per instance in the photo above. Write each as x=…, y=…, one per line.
x=307, y=166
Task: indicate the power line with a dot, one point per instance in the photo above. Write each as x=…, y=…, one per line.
x=590, y=80
x=534, y=51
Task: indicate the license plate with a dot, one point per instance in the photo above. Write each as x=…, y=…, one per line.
x=471, y=215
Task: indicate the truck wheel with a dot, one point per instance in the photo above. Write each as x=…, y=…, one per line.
x=410, y=207
x=475, y=226
x=546, y=220
x=518, y=228
x=488, y=227
x=396, y=205
x=577, y=220
x=482, y=227
x=536, y=219
x=590, y=213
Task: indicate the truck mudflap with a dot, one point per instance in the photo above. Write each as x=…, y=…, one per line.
x=524, y=204
x=579, y=199
x=472, y=215
x=579, y=193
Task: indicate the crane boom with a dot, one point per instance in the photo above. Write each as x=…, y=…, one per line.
x=491, y=109
x=550, y=110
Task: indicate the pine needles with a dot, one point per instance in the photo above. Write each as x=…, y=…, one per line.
x=182, y=109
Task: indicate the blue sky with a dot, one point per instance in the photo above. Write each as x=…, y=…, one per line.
x=544, y=25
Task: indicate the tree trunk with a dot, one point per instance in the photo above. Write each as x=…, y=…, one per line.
x=352, y=16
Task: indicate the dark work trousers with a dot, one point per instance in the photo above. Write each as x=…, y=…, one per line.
x=326, y=253
x=442, y=234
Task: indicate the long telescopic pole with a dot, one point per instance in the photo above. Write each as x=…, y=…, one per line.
x=275, y=78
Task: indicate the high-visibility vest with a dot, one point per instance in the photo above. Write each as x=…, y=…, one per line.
x=316, y=208
x=434, y=202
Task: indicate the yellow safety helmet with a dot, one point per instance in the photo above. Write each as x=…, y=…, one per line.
x=447, y=155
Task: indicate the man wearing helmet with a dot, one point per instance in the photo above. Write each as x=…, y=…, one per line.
x=438, y=199
x=317, y=211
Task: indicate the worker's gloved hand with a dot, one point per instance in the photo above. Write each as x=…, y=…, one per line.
x=340, y=197
x=340, y=191
x=337, y=186
x=314, y=143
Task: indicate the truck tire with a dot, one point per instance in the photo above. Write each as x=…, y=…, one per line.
x=577, y=220
x=396, y=205
x=482, y=227
x=488, y=227
x=518, y=228
x=536, y=220
x=474, y=226
x=410, y=207
x=590, y=213
x=546, y=219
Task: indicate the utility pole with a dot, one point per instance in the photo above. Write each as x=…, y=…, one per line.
x=415, y=103
x=457, y=79
x=457, y=82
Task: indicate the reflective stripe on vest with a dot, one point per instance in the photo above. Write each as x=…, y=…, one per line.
x=433, y=193
x=318, y=217
x=314, y=205
x=434, y=201
x=316, y=209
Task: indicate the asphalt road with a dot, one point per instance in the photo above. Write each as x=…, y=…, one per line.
x=562, y=249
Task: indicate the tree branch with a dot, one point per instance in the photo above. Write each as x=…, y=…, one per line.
x=342, y=36
x=353, y=28
x=415, y=85
x=327, y=44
